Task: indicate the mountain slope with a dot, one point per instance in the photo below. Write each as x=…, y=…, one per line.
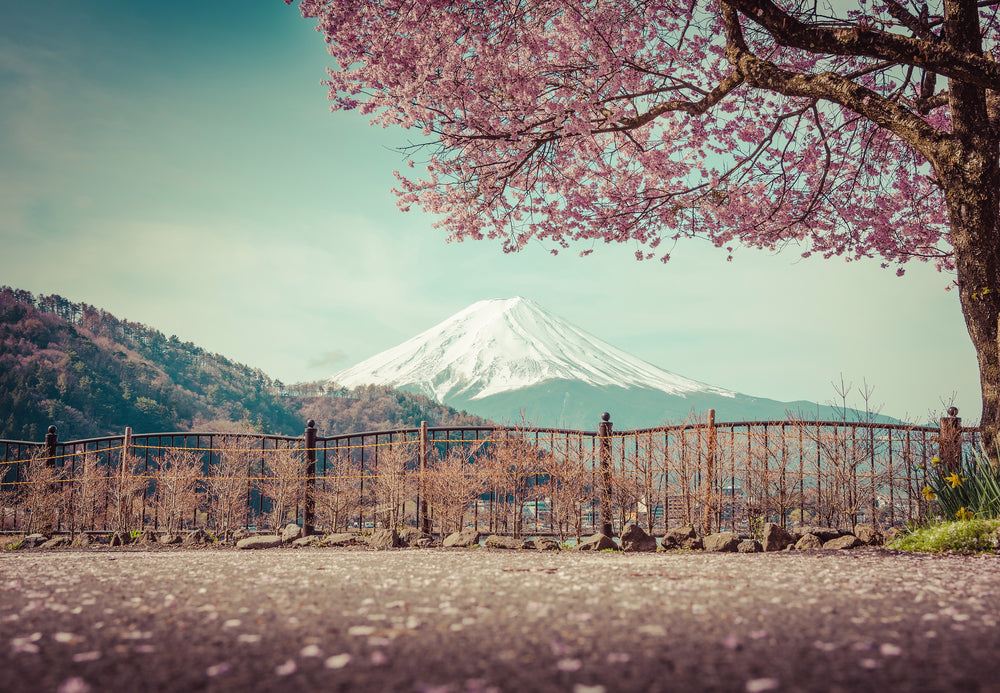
x=89, y=373
x=510, y=359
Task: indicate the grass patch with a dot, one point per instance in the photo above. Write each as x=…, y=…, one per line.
x=961, y=537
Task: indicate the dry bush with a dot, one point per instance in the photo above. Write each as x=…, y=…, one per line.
x=391, y=484
x=40, y=498
x=177, y=497
x=229, y=484
x=452, y=485
x=90, y=491
x=568, y=486
x=284, y=485
x=125, y=490
x=512, y=464
x=337, y=493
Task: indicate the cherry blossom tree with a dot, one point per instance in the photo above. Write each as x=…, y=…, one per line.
x=867, y=130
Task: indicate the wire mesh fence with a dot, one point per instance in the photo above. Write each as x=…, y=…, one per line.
x=508, y=480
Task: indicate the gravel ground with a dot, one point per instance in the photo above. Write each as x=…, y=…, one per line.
x=478, y=620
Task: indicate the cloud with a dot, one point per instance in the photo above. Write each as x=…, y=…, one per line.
x=327, y=358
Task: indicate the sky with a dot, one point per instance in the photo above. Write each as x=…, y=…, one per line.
x=176, y=164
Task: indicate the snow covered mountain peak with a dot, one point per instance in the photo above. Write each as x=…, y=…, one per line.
x=501, y=345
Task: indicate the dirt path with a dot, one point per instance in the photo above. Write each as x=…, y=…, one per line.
x=477, y=620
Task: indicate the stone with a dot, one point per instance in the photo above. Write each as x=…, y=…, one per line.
x=301, y=542
x=170, y=539
x=722, y=542
x=635, y=539
x=57, y=542
x=240, y=534
x=825, y=534
x=495, y=541
x=848, y=541
x=148, y=536
x=424, y=542
x=890, y=535
x=775, y=537
x=290, y=533
x=196, y=537
x=684, y=537
x=546, y=544
x=120, y=539
x=262, y=541
x=409, y=536
x=463, y=539
x=809, y=541
x=33, y=540
x=749, y=546
x=383, y=539
x=867, y=534
x=341, y=539
x=598, y=542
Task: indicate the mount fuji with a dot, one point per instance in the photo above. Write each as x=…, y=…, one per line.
x=507, y=358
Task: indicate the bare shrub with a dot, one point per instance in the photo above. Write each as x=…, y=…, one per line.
x=568, y=486
x=452, y=485
x=40, y=498
x=177, y=497
x=512, y=463
x=90, y=491
x=391, y=484
x=125, y=490
x=337, y=493
x=229, y=484
x=284, y=485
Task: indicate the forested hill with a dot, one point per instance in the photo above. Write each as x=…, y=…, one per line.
x=90, y=373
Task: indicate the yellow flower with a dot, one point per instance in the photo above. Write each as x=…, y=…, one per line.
x=963, y=514
x=929, y=493
x=935, y=461
x=955, y=480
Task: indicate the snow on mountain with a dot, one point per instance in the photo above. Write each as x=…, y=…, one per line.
x=505, y=345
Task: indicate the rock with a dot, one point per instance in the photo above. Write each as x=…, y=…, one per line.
x=263, y=541
x=383, y=539
x=867, y=534
x=148, y=536
x=775, y=537
x=495, y=541
x=342, y=539
x=598, y=542
x=848, y=541
x=240, y=534
x=890, y=535
x=290, y=533
x=463, y=539
x=825, y=534
x=301, y=542
x=684, y=537
x=410, y=536
x=196, y=537
x=57, y=542
x=424, y=542
x=546, y=544
x=722, y=541
x=170, y=539
x=33, y=540
x=120, y=539
x=634, y=538
x=749, y=546
x=809, y=541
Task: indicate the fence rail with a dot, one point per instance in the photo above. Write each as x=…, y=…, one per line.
x=513, y=480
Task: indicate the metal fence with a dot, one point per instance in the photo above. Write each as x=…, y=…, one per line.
x=509, y=480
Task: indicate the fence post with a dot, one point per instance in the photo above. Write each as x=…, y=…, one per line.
x=709, y=472
x=604, y=454
x=950, y=440
x=309, y=511
x=51, y=438
x=425, y=522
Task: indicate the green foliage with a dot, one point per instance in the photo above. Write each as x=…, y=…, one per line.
x=14, y=545
x=973, y=490
x=134, y=534
x=89, y=373
x=961, y=537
